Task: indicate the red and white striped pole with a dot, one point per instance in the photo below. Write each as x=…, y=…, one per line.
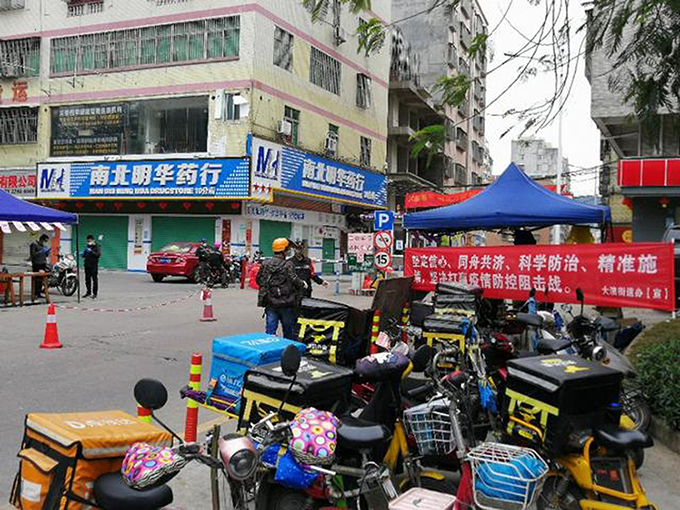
x=191, y=425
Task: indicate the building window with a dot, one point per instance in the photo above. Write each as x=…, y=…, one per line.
x=332, y=140
x=293, y=116
x=158, y=126
x=20, y=57
x=18, y=125
x=324, y=71
x=180, y=42
x=83, y=7
x=364, y=97
x=283, y=49
x=232, y=109
x=365, y=159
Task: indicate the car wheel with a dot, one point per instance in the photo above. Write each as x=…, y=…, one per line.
x=157, y=277
x=196, y=275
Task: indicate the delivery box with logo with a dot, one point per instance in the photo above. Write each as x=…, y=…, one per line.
x=63, y=454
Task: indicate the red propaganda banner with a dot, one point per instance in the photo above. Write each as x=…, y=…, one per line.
x=635, y=275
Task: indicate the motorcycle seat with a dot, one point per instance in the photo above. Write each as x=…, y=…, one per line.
x=359, y=435
x=530, y=319
x=112, y=492
x=611, y=436
x=552, y=345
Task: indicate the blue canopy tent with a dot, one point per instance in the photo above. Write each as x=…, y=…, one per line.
x=16, y=210
x=24, y=216
x=513, y=200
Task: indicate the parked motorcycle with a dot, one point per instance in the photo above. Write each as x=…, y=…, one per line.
x=63, y=275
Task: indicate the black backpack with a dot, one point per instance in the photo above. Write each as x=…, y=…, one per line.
x=280, y=288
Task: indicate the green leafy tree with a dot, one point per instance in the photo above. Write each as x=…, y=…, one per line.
x=429, y=140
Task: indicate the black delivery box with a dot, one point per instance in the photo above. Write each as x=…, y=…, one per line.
x=321, y=385
x=333, y=332
x=550, y=397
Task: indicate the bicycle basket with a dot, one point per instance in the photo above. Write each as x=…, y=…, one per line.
x=506, y=477
x=430, y=425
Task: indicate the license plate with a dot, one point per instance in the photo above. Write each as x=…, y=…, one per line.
x=164, y=260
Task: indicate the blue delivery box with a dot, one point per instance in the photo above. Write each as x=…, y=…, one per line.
x=232, y=356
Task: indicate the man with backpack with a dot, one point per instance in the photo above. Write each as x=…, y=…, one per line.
x=280, y=290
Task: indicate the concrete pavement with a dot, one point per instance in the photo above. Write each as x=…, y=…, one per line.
x=107, y=352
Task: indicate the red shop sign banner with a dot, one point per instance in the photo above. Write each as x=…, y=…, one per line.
x=637, y=275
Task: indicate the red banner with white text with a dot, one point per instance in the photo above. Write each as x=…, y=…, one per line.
x=637, y=275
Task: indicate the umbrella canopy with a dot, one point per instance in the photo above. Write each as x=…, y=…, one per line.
x=20, y=212
x=513, y=200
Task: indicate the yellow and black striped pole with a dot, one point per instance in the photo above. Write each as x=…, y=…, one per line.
x=375, y=331
x=405, y=315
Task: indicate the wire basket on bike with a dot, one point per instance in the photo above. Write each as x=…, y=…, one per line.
x=506, y=477
x=430, y=425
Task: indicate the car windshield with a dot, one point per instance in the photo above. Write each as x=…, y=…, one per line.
x=177, y=248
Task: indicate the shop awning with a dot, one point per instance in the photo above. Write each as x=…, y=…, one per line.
x=22, y=216
x=513, y=200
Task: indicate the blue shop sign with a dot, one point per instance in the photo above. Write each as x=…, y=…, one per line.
x=168, y=178
x=280, y=167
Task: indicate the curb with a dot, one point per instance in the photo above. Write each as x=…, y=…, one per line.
x=665, y=434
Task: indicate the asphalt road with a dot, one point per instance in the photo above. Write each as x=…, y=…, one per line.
x=105, y=353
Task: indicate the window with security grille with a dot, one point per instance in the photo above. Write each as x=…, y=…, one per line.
x=324, y=71
x=18, y=125
x=20, y=57
x=283, y=49
x=293, y=116
x=365, y=158
x=83, y=7
x=333, y=140
x=364, y=96
x=192, y=41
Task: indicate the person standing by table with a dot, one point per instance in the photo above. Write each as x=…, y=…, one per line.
x=91, y=255
x=39, y=251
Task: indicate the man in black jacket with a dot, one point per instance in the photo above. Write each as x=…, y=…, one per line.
x=91, y=255
x=39, y=252
x=304, y=268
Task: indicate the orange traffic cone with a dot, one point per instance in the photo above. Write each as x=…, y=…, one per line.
x=51, y=340
x=207, y=306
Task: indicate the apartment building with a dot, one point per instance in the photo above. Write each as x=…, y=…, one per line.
x=175, y=120
x=538, y=159
x=441, y=38
x=640, y=173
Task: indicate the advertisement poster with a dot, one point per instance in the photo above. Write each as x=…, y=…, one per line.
x=88, y=130
x=191, y=178
x=639, y=275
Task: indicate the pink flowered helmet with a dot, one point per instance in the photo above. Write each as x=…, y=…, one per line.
x=315, y=436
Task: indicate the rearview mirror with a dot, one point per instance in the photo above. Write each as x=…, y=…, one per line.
x=579, y=295
x=290, y=361
x=151, y=394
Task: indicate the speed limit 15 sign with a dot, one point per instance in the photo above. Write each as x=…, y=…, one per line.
x=382, y=260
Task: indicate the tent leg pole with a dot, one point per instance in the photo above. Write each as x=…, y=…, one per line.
x=77, y=259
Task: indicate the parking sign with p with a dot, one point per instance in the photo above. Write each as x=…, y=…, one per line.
x=383, y=220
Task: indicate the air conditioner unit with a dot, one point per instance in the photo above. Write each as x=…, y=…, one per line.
x=331, y=144
x=284, y=127
x=340, y=35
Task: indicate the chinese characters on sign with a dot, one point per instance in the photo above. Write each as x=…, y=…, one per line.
x=88, y=130
x=19, y=92
x=145, y=179
x=20, y=183
x=279, y=167
x=626, y=275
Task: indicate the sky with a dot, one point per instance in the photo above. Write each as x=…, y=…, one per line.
x=580, y=136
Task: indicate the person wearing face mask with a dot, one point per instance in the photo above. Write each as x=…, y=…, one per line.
x=304, y=267
x=91, y=255
x=39, y=251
